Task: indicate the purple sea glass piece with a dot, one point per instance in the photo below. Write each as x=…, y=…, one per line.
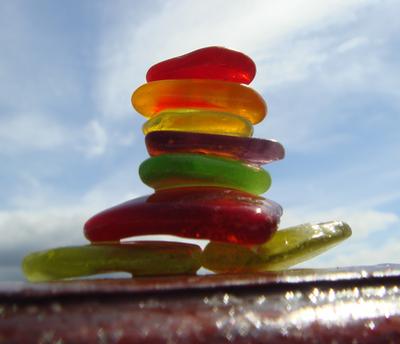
x=251, y=150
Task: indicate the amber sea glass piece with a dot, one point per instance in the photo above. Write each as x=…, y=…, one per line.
x=199, y=121
x=286, y=248
x=154, y=97
x=216, y=63
x=200, y=213
x=251, y=150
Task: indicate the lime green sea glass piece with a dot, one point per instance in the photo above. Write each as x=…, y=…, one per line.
x=286, y=248
x=140, y=259
x=182, y=170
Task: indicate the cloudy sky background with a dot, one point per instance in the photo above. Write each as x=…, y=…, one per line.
x=71, y=144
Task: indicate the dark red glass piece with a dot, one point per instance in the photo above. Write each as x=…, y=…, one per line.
x=216, y=214
x=215, y=63
x=251, y=150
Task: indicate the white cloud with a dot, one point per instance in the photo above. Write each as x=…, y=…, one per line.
x=362, y=221
x=114, y=189
x=95, y=138
x=260, y=29
x=360, y=248
x=41, y=219
x=370, y=254
x=24, y=228
x=30, y=193
x=355, y=254
x=25, y=231
x=30, y=131
x=352, y=43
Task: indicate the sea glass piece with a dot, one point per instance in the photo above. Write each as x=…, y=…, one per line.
x=200, y=121
x=200, y=213
x=286, y=248
x=215, y=63
x=138, y=258
x=250, y=150
x=181, y=170
x=153, y=97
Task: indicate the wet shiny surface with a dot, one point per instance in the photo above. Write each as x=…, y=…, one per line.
x=353, y=305
x=196, y=121
x=154, y=97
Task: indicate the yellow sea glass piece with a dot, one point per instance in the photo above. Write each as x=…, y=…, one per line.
x=287, y=247
x=199, y=121
x=154, y=97
x=139, y=258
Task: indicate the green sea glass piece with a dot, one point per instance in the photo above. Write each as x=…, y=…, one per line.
x=182, y=170
x=139, y=258
x=287, y=247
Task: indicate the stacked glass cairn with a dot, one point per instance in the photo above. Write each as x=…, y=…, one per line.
x=206, y=171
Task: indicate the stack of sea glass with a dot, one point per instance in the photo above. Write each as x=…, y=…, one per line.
x=206, y=171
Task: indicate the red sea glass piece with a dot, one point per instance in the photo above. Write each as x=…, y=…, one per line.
x=216, y=214
x=251, y=150
x=216, y=63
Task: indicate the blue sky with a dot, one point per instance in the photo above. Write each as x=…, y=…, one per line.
x=71, y=144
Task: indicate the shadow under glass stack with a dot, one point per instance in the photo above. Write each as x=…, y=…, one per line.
x=205, y=168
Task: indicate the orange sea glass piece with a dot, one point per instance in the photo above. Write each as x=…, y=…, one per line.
x=153, y=97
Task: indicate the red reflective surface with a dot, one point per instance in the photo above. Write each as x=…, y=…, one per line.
x=202, y=213
x=216, y=63
x=340, y=305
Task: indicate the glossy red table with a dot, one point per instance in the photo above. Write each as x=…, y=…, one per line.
x=347, y=305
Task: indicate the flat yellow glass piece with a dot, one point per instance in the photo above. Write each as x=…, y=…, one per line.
x=287, y=247
x=198, y=121
x=154, y=97
x=139, y=258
